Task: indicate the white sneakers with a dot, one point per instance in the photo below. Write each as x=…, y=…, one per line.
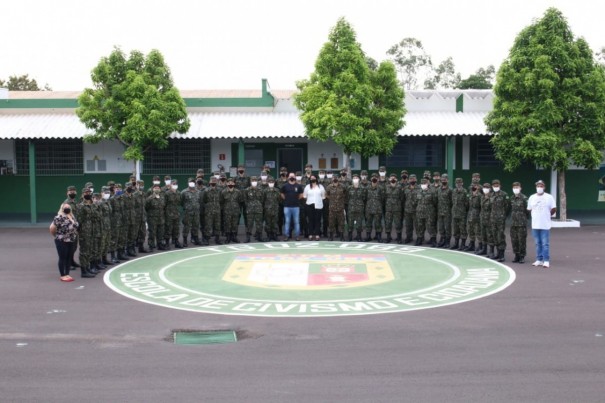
x=537, y=263
x=546, y=265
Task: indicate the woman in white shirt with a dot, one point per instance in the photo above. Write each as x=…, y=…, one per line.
x=314, y=195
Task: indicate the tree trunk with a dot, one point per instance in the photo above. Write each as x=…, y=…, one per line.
x=562, y=196
x=348, y=164
x=136, y=171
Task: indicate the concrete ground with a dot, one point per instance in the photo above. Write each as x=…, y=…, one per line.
x=540, y=340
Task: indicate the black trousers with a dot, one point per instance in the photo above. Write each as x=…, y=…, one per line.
x=314, y=219
x=64, y=251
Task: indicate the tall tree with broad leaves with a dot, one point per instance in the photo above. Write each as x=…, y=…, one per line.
x=23, y=83
x=411, y=60
x=549, y=106
x=444, y=76
x=481, y=80
x=344, y=100
x=133, y=101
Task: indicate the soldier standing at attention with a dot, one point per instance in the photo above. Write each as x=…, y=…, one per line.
x=191, y=212
x=393, y=203
x=253, y=202
x=230, y=200
x=518, y=229
x=356, y=195
x=200, y=185
x=473, y=222
x=444, y=212
x=97, y=226
x=435, y=188
x=105, y=209
x=500, y=210
x=459, y=211
x=242, y=183
x=85, y=218
x=487, y=237
x=271, y=204
x=154, y=206
x=212, y=211
x=364, y=181
x=374, y=204
x=130, y=221
x=336, y=193
x=141, y=219
x=475, y=181
x=426, y=202
x=409, y=209
x=172, y=202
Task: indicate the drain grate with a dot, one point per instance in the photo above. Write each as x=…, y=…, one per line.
x=207, y=337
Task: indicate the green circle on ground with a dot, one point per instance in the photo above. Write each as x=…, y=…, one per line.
x=303, y=279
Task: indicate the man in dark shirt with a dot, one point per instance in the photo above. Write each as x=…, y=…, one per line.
x=291, y=193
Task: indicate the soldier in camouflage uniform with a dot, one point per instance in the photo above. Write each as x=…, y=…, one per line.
x=374, y=203
x=394, y=200
x=105, y=209
x=281, y=180
x=155, y=208
x=500, y=209
x=356, y=196
x=518, y=229
x=476, y=182
x=459, y=211
x=364, y=181
x=128, y=215
x=200, y=185
x=116, y=219
x=487, y=238
x=435, y=186
x=337, y=194
x=473, y=222
x=191, y=212
x=230, y=199
x=253, y=201
x=212, y=211
x=271, y=205
x=86, y=235
x=172, y=201
x=409, y=209
x=242, y=182
x=444, y=212
x=343, y=179
x=97, y=225
x=426, y=203
x=140, y=217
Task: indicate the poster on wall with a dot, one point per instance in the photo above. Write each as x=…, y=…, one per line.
x=601, y=184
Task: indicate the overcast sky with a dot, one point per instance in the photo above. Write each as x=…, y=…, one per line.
x=233, y=44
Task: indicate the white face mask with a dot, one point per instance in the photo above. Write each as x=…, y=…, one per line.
x=175, y=187
x=330, y=176
x=263, y=177
x=424, y=186
x=364, y=177
x=92, y=190
x=217, y=176
x=299, y=178
x=382, y=174
x=106, y=196
x=167, y=182
x=254, y=183
x=496, y=188
x=540, y=190
x=355, y=181
x=485, y=190
x=322, y=176
x=156, y=182
x=516, y=191
x=271, y=184
x=191, y=184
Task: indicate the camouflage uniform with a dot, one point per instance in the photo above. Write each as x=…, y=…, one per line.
x=271, y=205
x=132, y=229
x=253, y=201
x=487, y=237
x=242, y=182
x=444, y=212
x=459, y=210
x=435, y=186
x=518, y=229
x=473, y=221
x=154, y=206
x=409, y=209
x=140, y=217
x=105, y=209
x=500, y=210
x=172, y=215
x=374, y=203
x=86, y=235
x=337, y=194
x=212, y=211
x=116, y=221
x=426, y=202
x=325, y=214
x=191, y=213
x=200, y=185
x=356, y=196
x=97, y=233
x=394, y=200
x=230, y=200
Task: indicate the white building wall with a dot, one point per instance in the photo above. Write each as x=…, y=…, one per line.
x=110, y=152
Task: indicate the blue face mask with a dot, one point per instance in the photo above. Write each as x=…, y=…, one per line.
x=119, y=192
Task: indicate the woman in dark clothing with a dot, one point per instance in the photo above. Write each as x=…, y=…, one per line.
x=65, y=230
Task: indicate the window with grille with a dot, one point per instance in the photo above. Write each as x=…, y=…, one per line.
x=181, y=157
x=416, y=152
x=53, y=157
x=483, y=152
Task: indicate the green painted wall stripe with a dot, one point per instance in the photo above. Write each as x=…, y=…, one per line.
x=460, y=103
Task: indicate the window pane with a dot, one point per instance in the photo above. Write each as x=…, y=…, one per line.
x=181, y=157
x=53, y=157
x=416, y=152
x=484, y=153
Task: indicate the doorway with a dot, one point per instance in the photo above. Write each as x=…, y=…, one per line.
x=291, y=158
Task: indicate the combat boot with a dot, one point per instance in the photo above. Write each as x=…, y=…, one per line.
x=273, y=237
x=447, y=243
x=342, y=236
x=462, y=244
x=399, y=239
x=516, y=259
x=133, y=248
x=234, y=237
x=247, y=237
x=121, y=255
x=521, y=259
x=195, y=240
x=407, y=240
x=205, y=241
x=85, y=272
x=433, y=242
x=100, y=265
x=185, y=244
x=130, y=251
x=177, y=244
x=389, y=239
x=350, y=236
x=483, y=251
x=331, y=237
x=441, y=243
x=114, y=257
x=107, y=262
x=455, y=244
x=217, y=240
x=161, y=245
x=479, y=248
x=500, y=257
x=358, y=238
x=142, y=248
x=368, y=237
x=493, y=252
x=470, y=247
x=167, y=244
x=419, y=241
x=379, y=237
x=92, y=268
x=259, y=237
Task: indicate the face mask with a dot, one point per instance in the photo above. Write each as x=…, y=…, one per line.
x=175, y=187
x=200, y=183
x=263, y=178
x=271, y=184
x=485, y=190
x=330, y=176
x=298, y=178
x=92, y=190
x=412, y=182
x=213, y=184
x=156, y=182
x=313, y=180
x=72, y=195
x=540, y=190
x=364, y=177
x=474, y=188
x=356, y=181
x=230, y=186
x=322, y=176
x=217, y=176
x=335, y=180
x=156, y=191
x=223, y=179
x=496, y=188
x=241, y=171
x=292, y=179
x=404, y=177
x=106, y=196
x=444, y=182
x=343, y=174
x=393, y=181
x=119, y=192
x=191, y=184
x=87, y=197
x=516, y=191
x=254, y=183
x=382, y=174
x=130, y=190
x=424, y=186
x=67, y=210
x=167, y=182
x=374, y=180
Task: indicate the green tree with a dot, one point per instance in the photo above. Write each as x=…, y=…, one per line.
x=444, y=76
x=411, y=61
x=134, y=102
x=549, y=106
x=23, y=83
x=344, y=100
x=482, y=80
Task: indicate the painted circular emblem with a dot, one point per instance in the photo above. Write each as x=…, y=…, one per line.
x=305, y=279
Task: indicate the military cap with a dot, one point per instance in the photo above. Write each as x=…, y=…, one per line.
x=427, y=173
x=200, y=172
x=487, y=185
x=119, y=185
x=190, y=179
x=436, y=173
x=216, y=173
x=298, y=173
x=231, y=180
x=85, y=190
x=308, y=165
x=167, y=178
x=459, y=180
x=96, y=195
x=444, y=176
x=404, y=172
x=382, y=168
x=283, y=169
x=496, y=182
x=329, y=171
x=156, y=178
x=374, y=175
x=412, y=176
x=271, y=179
x=241, y=166
x=89, y=185
x=476, y=174
x=424, y=180
x=253, y=178
x=141, y=182
x=392, y=175
x=343, y=170
x=175, y=181
x=71, y=188
x=364, y=172
x=540, y=182
x=155, y=185
x=111, y=183
x=104, y=188
x=213, y=180
x=356, y=176
x=516, y=184
x=132, y=177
